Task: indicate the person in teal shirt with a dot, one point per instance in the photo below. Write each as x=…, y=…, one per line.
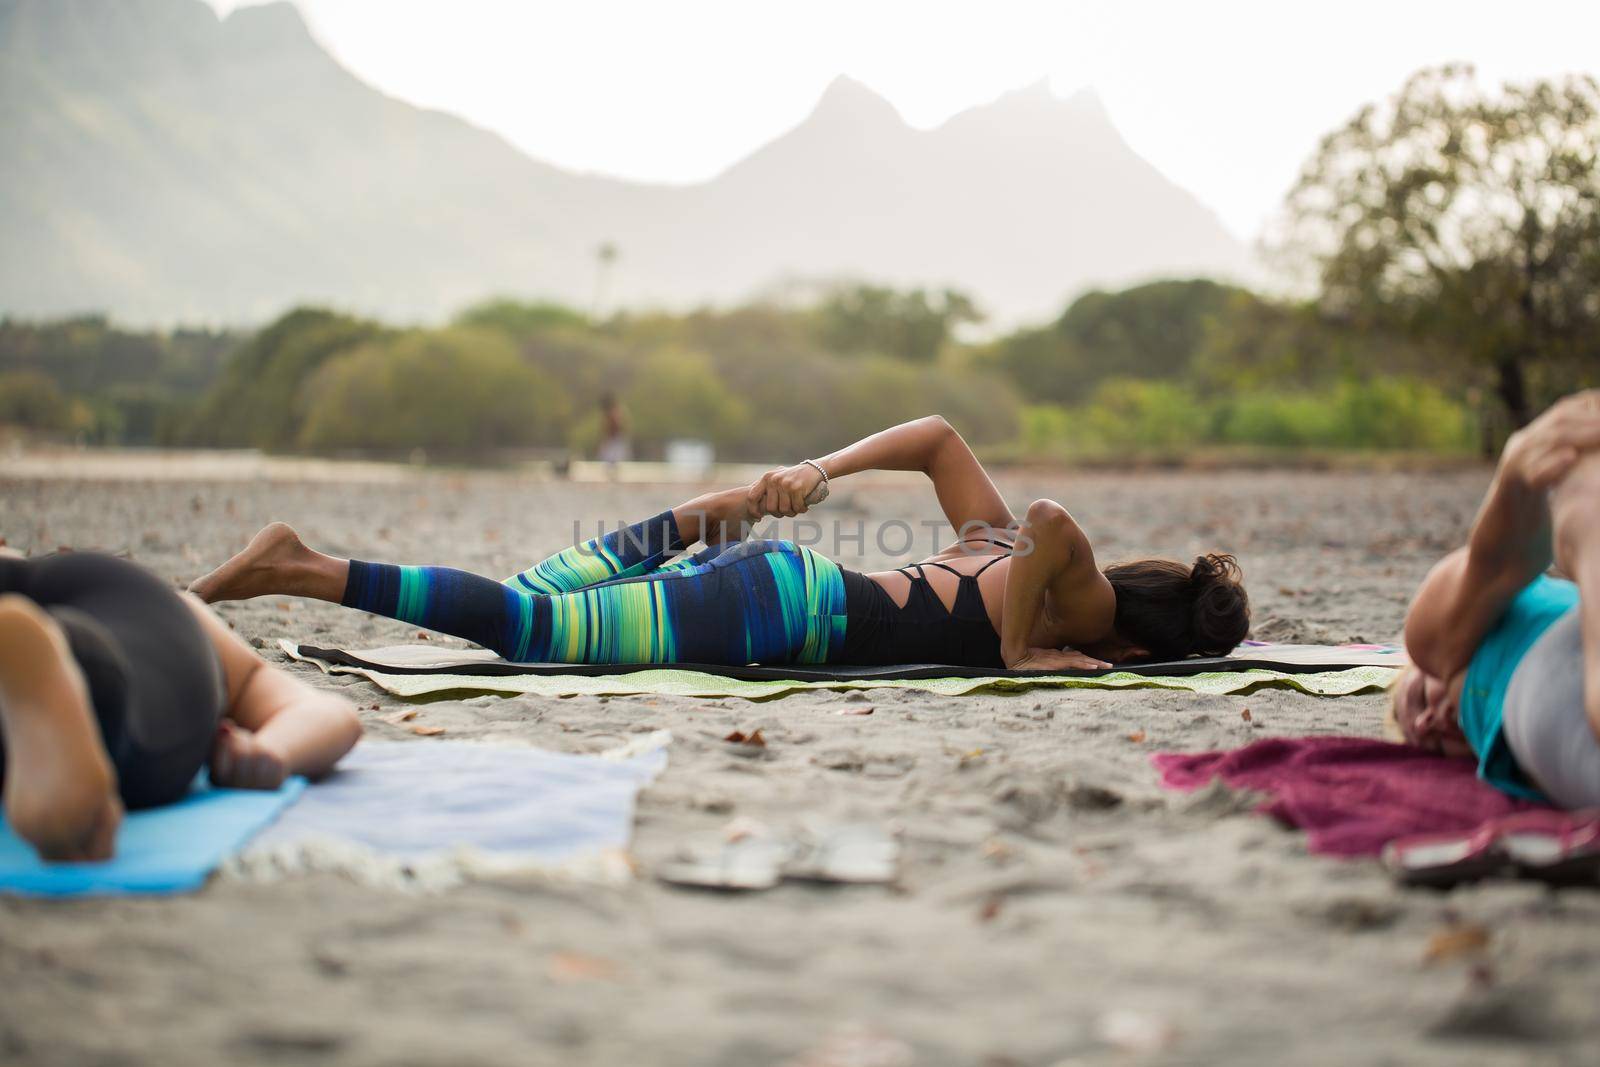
x=1505, y=658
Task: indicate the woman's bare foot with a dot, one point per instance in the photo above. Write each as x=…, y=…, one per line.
x=60, y=789
x=725, y=515
x=275, y=561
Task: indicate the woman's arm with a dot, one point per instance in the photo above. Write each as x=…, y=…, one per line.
x=1510, y=543
x=930, y=445
x=276, y=725
x=1051, y=552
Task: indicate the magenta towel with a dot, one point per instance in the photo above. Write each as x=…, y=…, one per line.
x=1351, y=795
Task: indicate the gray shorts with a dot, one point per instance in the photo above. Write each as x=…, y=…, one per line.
x=1545, y=724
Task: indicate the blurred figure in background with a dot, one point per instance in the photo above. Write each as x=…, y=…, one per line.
x=614, y=445
x=115, y=690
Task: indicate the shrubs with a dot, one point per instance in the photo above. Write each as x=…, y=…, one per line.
x=456, y=391
x=1158, y=370
x=259, y=403
x=679, y=394
x=31, y=401
x=1376, y=414
x=1163, y=419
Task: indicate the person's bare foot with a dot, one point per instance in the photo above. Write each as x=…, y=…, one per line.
x=60, y=789
x=715, y=518
x=273, y=562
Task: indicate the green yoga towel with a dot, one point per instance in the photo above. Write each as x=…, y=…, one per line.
x=1346, y=681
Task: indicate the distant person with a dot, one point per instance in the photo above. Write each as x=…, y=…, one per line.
x=614, y=444
x=115, y=690
x=1006, y=594
x=1505, y=659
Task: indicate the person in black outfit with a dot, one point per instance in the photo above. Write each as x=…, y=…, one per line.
x=1024, y=594
x=115, y=690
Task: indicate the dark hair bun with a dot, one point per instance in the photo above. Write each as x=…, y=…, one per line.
x=1221, y=614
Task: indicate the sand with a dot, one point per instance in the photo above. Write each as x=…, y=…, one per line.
x=1054, y=906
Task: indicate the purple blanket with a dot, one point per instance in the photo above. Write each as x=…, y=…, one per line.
x=1351, y=795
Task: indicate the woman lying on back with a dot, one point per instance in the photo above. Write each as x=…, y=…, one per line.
x=1024, y=595
x=1506, y=658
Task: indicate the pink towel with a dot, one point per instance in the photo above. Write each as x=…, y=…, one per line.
x=1351, y=795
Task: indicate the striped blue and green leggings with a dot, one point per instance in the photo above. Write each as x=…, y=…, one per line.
x=619, y=598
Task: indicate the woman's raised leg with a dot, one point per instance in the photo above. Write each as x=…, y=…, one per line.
x=506, y=617
x=643, y=548
x=514, y=618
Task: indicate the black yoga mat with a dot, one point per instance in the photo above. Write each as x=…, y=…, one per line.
x=824, y=673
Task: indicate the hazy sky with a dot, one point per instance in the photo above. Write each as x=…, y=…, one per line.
x=1226, y=98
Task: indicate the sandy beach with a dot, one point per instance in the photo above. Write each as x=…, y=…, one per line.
x=1054, y=905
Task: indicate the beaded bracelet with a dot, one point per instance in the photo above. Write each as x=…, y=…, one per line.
x=820, y=492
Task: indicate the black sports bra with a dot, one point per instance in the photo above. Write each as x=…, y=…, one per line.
x=878, y=632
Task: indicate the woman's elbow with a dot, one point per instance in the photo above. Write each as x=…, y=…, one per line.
x=1050, y=529
x=1431, y=643
x=1422, y=642
x=1452, y=611
x=1047, y=516
x=336, y=726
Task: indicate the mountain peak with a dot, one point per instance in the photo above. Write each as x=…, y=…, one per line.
x=1087, y=102
x=1029, y=111
x=1038, y=97
x=1037, y=90
x=388, y=209
x=846, y=98
x=278, y=22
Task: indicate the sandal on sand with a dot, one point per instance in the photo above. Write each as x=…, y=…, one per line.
x=1559, y=847
x=849, y=853
x=1563, y=854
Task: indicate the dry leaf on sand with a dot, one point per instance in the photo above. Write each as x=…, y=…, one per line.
x=742, y=826
x=400, y=716
x=1132, y=1030
x=856, y=1047
x=753, y=738
x=1453, y=942
x=1137, y=737
x=576, y=967
x=426, y=731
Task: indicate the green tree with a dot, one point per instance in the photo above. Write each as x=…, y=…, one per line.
x=522, y=321
x=912, y=325
x=1466, y=219
x=255, y=403
x=1150, y=331
x=677, y=393
x=457, y=391
x=1257, y=343
x=32, y=401
x=125, y=386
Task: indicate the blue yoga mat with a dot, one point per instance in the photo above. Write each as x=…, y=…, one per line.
x=170, y=849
